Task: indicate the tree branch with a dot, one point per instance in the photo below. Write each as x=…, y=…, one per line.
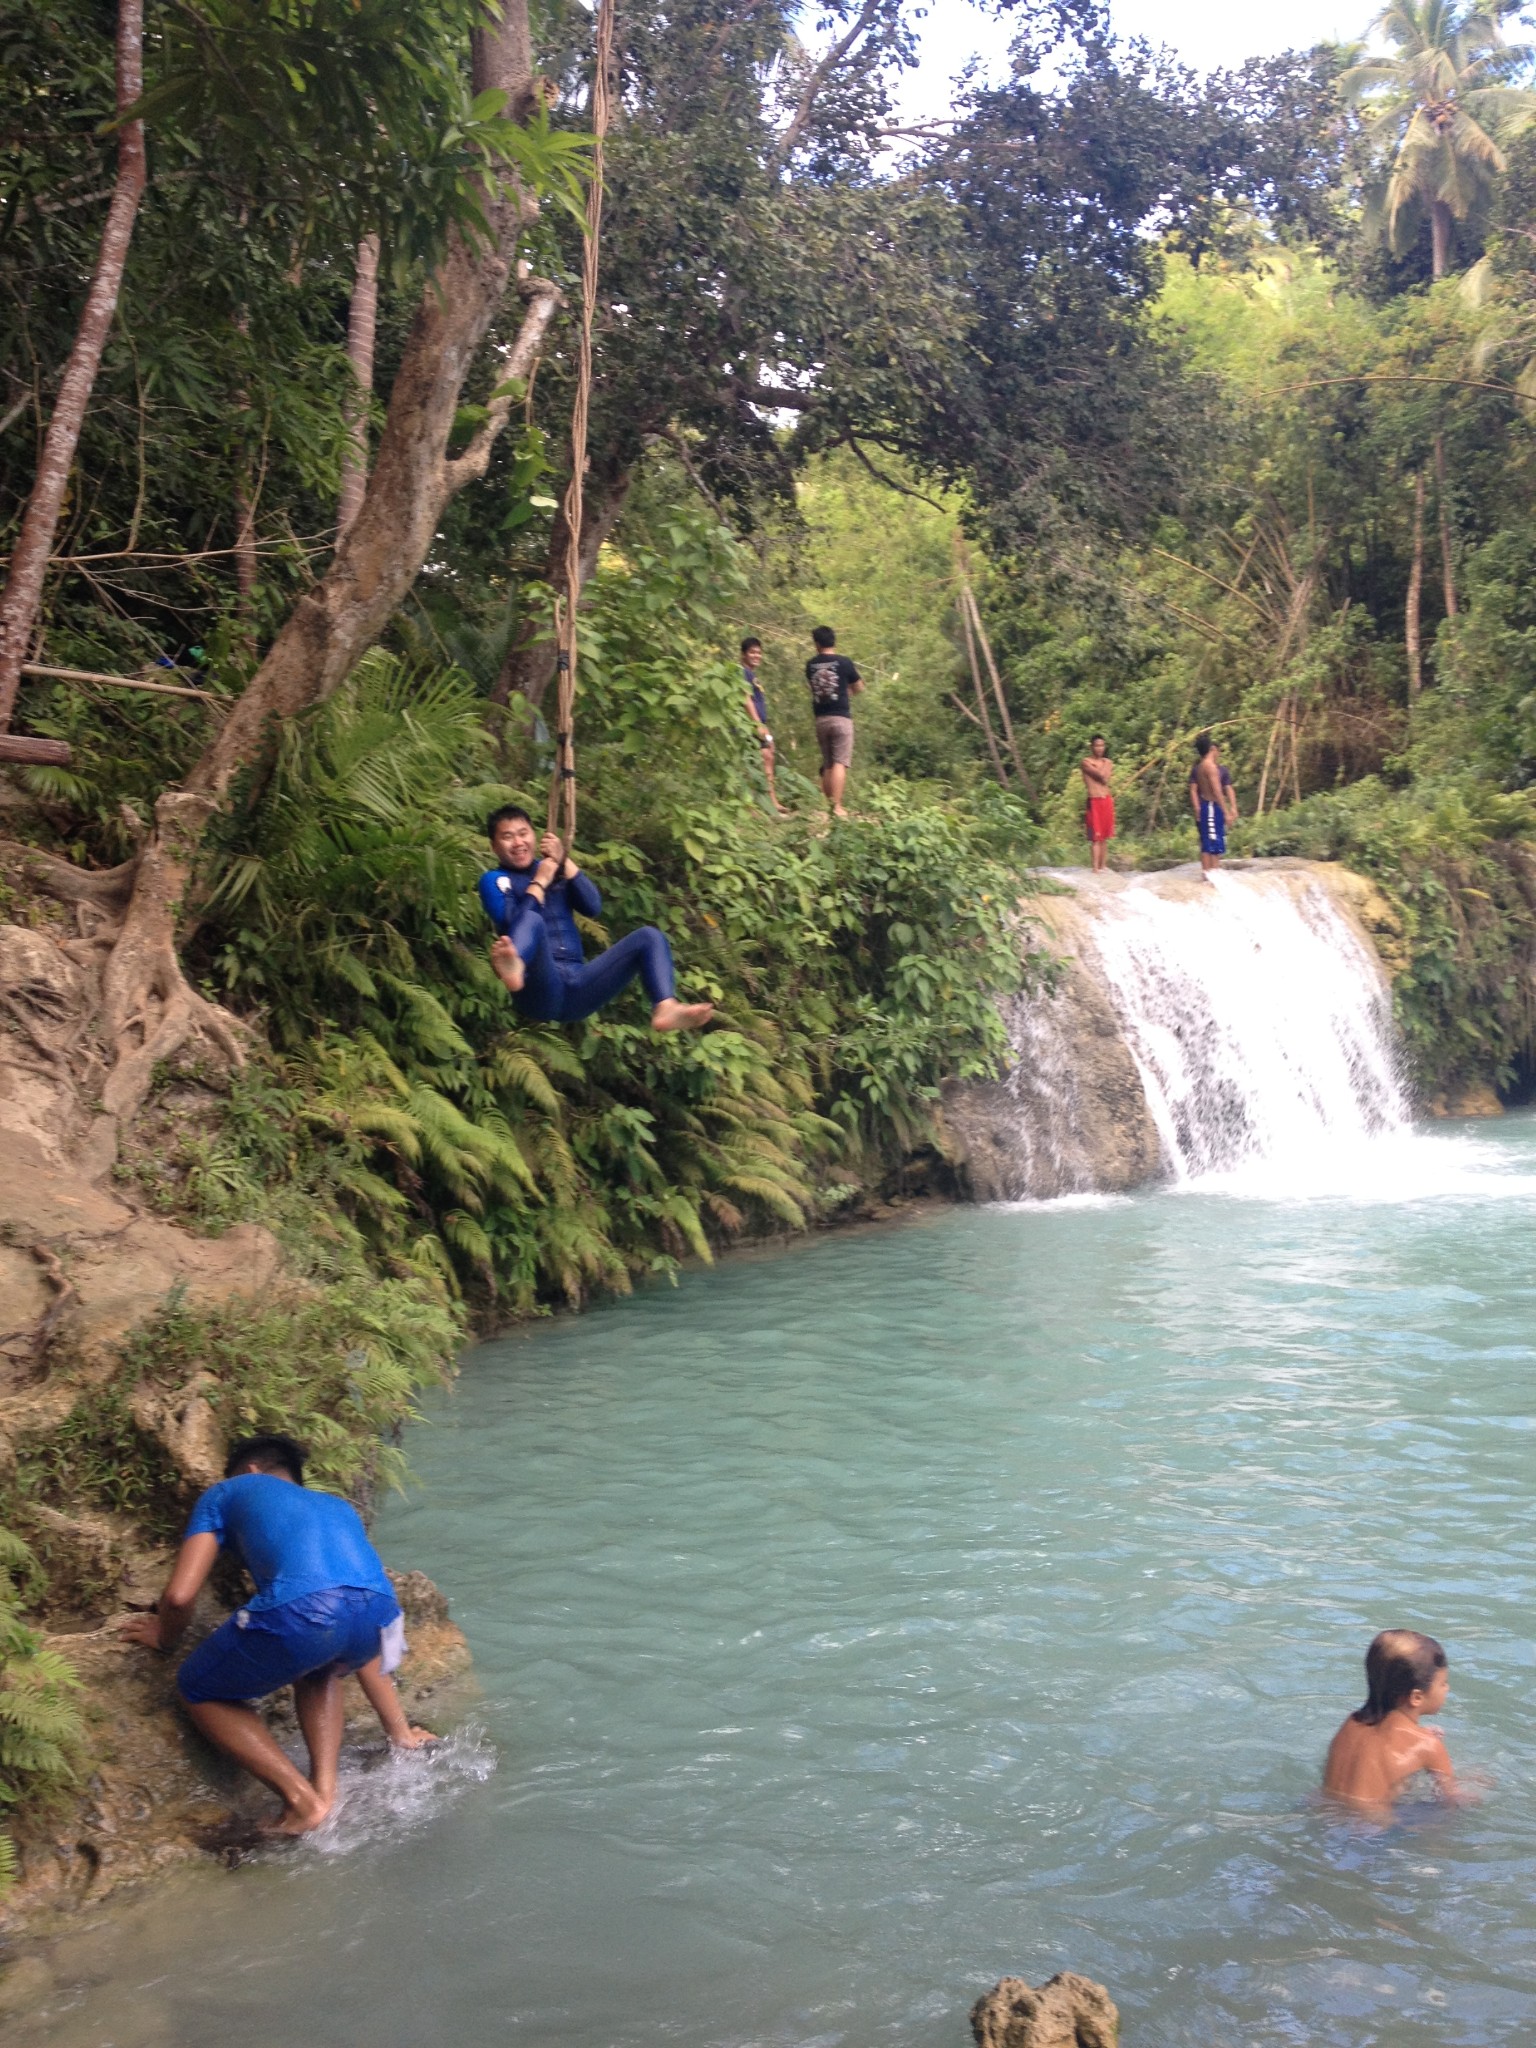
x=906, y=490
x=817, y=78
x=543, y=300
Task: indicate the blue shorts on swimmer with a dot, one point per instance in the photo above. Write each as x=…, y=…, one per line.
x=1213, y=828
x=323, y=1604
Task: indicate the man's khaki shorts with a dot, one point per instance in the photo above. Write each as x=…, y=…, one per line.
x=834, y=736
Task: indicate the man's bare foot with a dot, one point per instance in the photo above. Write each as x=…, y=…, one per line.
x=413, y=1738
x=671, y=1015
x=300, y=1816
x=839, y=812
x=508, y=963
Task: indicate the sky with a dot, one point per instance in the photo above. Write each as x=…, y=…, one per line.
x=1209, y=35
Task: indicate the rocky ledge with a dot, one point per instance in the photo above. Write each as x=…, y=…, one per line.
x=156, y=1795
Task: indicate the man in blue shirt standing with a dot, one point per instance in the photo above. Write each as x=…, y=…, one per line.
x=532, y=902
x=757, y=711
x=323, y=1607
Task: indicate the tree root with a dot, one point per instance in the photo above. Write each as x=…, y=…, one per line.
x=151, y=1012
x=109, y=888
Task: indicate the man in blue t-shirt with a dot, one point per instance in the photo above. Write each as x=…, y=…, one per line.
x=757, y=711
x=323, y=1607
x=532, y=903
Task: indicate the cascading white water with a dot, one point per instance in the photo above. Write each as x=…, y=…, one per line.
x=1259, y=1021
x=1240, y=1025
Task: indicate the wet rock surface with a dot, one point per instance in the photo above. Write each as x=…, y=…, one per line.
x=1068, y=2012
x=156, y=1794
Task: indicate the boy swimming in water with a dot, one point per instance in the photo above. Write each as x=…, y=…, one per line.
x=1381, y=1746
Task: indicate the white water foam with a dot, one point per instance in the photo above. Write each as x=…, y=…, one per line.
x=1259, y=1022
x=385, y=1793
x=1260, y=1025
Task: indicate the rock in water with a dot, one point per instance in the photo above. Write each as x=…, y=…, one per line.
x=1068, y=2012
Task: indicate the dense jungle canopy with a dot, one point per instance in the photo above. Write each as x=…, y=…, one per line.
x=1217, y=390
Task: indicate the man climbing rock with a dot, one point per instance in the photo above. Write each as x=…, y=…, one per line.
x=1099, y=816
x=323, y=1607
x=531, y=897
x=833, y=681
x=1213, y=800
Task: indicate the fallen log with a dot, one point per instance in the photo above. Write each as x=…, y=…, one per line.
x=40, y=753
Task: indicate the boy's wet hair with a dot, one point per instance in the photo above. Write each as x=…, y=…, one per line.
x=749, y=643
x=1204, y=744
x=1398, y=1664
x=1095, y=737
x=503, y=816
x=267, y=1454
x=824, y=638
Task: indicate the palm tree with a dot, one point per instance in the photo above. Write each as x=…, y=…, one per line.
x=1441, y=95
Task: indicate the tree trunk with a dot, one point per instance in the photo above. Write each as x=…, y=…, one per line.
x=1415, y=593
x=152, y=1013
x=1447, y=568
x=362, y=327
x=1440, y=223
x=529, y=666
x=34, y=544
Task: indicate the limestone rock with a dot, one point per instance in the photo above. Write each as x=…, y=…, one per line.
x=1473, y=1098
x=187, y=1426
x=1068, y=2012
x=422, y=1603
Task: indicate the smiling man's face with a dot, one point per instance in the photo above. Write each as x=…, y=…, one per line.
x=514, y=843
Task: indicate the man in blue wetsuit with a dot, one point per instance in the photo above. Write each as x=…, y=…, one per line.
x=531, y=901
x=324, y=1607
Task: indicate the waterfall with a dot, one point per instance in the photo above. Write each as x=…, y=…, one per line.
x=1199, y=1029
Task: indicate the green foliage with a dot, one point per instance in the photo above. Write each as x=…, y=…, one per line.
x=853, y=969
x=42, y=1734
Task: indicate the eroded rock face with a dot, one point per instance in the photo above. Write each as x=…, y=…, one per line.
x=1068, y=2012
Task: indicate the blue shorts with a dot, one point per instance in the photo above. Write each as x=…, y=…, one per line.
x=258, y=1650
x=1213, y=828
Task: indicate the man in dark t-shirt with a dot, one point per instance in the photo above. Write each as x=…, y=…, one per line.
x=833, y=681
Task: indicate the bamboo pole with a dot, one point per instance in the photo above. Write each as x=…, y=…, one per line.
x=981, y=703
x=997, y=691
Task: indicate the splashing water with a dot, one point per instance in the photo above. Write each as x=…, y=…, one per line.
x=386, y=1793
x=1259, y=1022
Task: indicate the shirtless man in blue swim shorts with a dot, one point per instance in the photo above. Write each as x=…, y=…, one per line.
x=1213, y=800
x=323, y=1607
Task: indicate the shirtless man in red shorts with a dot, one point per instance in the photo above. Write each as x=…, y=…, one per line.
x=1098, y=770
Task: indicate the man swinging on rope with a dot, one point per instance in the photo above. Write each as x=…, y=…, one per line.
x=537, y=951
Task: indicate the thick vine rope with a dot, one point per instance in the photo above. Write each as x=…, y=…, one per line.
x=562, y=790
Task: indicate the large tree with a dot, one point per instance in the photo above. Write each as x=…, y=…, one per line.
x=492, y=166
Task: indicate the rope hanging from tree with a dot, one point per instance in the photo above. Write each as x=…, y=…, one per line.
x=562, y=792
